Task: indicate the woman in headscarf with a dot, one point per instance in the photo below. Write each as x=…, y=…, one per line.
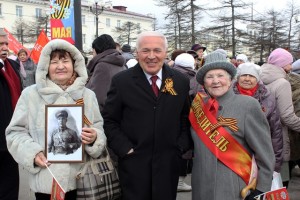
x=60, y=79
x=27, y=68
x=225, y=128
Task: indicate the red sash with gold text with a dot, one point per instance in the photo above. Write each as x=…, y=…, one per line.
x=221, y=143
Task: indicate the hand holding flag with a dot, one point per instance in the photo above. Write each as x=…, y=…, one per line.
x=57, y=192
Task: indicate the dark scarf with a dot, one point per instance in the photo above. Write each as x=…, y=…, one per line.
x=12, y=81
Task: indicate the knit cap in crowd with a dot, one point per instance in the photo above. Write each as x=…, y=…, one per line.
x=249, y=68
x=280, y=58
x=103, y=43
x=222, y=51
x=215, y=60
x=185, y=60
x=242, y=57
x=296, y=66
x=126, y=48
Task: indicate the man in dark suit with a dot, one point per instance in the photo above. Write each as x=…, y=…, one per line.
x=146, y=122
x=10, y=90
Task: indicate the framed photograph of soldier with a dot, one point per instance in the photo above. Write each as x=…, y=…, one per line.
x=63, y=129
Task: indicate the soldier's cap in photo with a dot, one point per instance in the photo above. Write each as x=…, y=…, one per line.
x=61, y=114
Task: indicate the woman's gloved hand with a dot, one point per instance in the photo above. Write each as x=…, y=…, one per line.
x=253, y=194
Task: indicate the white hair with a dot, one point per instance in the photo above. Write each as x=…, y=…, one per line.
x=149, y=34
x=2, y=32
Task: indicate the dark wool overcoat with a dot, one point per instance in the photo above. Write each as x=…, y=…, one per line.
x=101, y=69
x=294, y=136
x=9, y=168
x=157, y=128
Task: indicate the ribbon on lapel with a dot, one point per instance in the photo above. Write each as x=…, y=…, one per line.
x=85, y=119
x=222, y=121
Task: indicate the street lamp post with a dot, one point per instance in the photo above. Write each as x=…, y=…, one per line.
x=97, y=12
x=97, y=18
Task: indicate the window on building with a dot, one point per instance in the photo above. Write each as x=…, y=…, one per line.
x=38, y=13
x=107, y=22
x=20, y=34
x=83, y=38
x=118, y=23
x=0, y=9
x=83, y=19
x=19, y=11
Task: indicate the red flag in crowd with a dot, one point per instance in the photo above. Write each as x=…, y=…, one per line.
x=57, y=193
x=280, y=194
x=13, y=43
x=39, y=45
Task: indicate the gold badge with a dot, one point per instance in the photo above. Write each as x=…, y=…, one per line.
x=169, y=87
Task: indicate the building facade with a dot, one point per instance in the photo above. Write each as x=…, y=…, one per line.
x=25, y=18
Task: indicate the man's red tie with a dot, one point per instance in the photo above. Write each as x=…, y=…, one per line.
x=154, y=86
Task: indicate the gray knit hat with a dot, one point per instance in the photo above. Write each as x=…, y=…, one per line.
x=249, y=68
x=215, y=60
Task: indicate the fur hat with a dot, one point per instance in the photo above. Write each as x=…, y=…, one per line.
x=185, y=60
x=215, y=60
x=126, y=48
x=103, y=43
x=249, y=68
x=242, y=57
x=196, y=47
x=280, y=58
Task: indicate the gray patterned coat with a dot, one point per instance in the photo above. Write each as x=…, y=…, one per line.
x=102, y=68
x=211, y=179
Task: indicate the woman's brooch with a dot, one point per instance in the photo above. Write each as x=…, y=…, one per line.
x=169, y=87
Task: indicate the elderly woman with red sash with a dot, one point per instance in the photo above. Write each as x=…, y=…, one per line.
x=234, y=158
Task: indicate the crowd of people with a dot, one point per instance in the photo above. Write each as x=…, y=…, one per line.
x=231, y=123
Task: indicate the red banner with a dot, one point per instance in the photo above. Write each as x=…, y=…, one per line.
x=39, y=45
x=14, y=44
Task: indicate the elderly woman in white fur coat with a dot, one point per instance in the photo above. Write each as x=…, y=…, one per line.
x=60, y=79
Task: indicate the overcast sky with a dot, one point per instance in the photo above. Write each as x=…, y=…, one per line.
x=148, y=6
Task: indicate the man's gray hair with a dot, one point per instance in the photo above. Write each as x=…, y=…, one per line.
x=2, y=32
x=149, y=34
